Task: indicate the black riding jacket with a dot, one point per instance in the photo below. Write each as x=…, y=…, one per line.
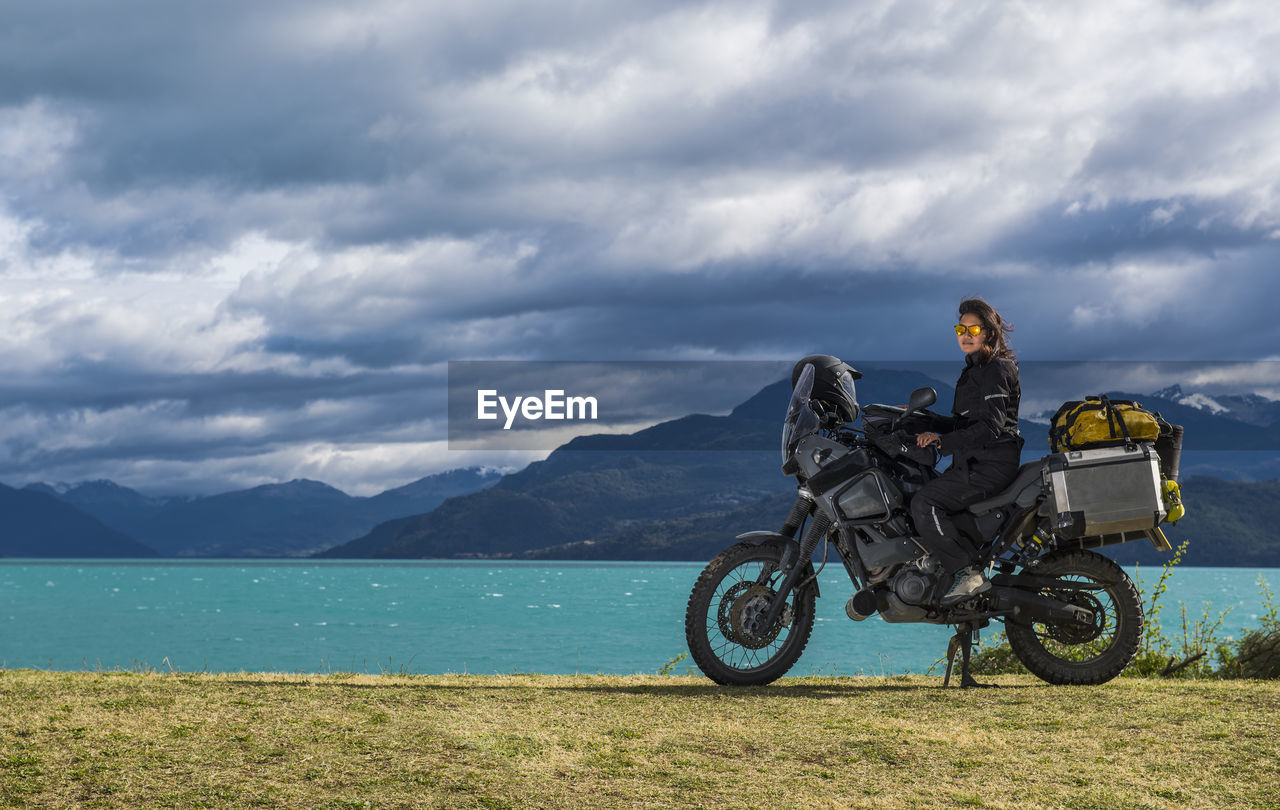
x=983, y=426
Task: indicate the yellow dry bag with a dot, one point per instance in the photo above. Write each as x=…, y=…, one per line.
x=1102, y=422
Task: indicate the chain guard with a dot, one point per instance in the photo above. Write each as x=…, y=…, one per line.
x=740, y=605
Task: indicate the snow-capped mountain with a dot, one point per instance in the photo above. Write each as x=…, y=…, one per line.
x=1248, y=408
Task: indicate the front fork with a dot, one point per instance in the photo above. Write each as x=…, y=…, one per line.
x=792, y=563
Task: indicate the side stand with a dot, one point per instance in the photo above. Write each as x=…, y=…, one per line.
x=962, y=641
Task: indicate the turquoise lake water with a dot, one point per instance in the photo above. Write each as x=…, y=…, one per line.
x=447, y=617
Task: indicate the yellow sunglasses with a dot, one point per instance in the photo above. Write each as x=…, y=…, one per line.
x=974, y=330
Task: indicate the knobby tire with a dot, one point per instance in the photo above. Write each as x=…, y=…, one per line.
x=723, y=658
x=1052, y=653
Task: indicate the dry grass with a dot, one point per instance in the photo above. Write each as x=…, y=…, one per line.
x=176, y=740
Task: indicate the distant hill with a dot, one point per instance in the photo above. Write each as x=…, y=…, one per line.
x=433, y=490
x=36, y=524
x=292, y=519
x=116, y=506
x=274, y=520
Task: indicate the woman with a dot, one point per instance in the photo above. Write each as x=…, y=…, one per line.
x=982, y=438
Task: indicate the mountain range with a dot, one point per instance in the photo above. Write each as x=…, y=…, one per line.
x=36, y=524
x=677, y=490
x=293, y=519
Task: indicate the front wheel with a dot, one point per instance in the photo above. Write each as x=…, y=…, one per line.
x=734, y=588
x=1076, y=654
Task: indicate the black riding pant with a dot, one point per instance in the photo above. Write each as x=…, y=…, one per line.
x=952, y=492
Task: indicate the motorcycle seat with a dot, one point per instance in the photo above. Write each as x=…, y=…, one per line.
x=1028, y=474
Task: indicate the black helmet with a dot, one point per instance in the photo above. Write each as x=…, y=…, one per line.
x=832, y=384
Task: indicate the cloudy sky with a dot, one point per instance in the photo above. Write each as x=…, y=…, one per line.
x=240, y=241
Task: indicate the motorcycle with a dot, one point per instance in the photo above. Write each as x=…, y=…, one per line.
x=1071, y=615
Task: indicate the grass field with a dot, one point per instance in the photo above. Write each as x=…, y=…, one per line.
x=121, y=739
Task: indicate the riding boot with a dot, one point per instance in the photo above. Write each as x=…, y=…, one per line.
x=968, y=582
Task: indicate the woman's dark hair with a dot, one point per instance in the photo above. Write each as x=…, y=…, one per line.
x=995, y=330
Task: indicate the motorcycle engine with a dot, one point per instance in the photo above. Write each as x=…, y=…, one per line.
x=913, y=585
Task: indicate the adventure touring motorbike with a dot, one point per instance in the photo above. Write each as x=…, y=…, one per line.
x=1071, y=615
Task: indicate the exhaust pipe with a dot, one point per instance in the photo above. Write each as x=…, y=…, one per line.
x=862, y=605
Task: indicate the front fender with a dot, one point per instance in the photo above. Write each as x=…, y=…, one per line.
x=763, y=538
x=760, y=538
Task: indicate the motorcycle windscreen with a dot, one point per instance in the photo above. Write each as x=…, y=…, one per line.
x=800, y=420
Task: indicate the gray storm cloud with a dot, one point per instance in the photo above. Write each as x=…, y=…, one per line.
x=240, y=241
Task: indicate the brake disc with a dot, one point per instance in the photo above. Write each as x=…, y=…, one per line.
x=739, y=608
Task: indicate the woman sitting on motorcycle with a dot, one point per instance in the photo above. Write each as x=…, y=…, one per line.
x=982, y=438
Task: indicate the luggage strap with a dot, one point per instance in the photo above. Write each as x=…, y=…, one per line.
x=1112, y=410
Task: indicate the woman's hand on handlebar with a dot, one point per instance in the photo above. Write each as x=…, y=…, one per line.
x=927, y=438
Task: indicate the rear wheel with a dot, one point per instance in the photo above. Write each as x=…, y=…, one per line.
x=733, y=589
x=1082, y=654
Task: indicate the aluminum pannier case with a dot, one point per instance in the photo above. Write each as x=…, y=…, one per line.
x=1104, y=491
